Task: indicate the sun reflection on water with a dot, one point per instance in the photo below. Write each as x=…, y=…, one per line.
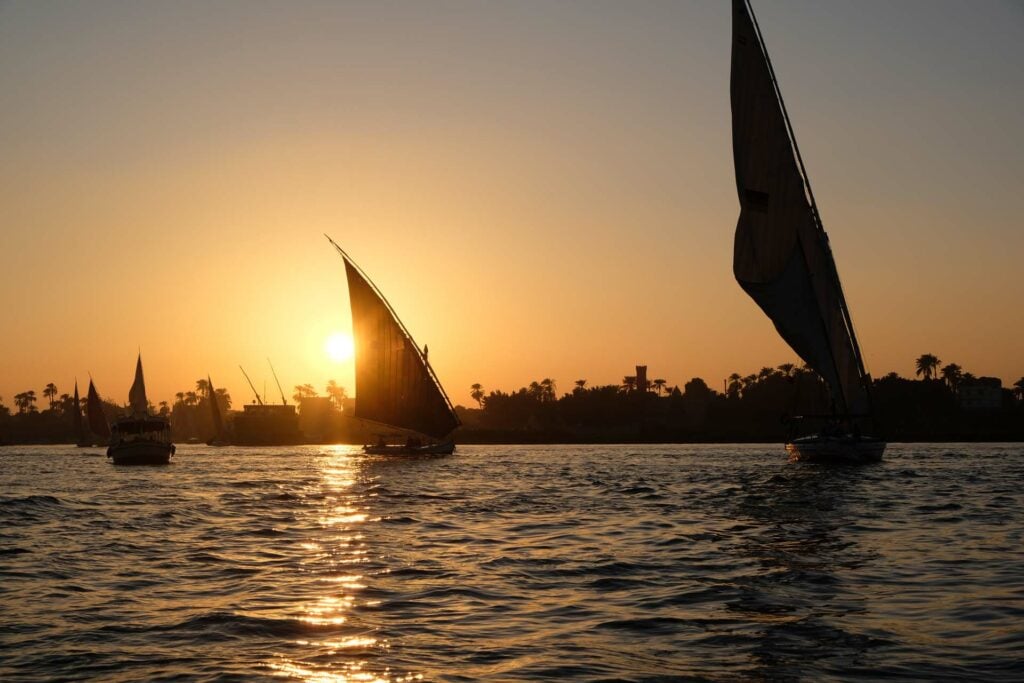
x=340, y=514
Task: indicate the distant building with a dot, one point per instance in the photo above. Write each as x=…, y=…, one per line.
x=983, y=393
x=642, y=385
x=315, y=414
x=266, y=424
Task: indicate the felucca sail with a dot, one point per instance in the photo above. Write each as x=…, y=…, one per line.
x=218, y=423
x=79, y=427
x=97, y=420
x=782, y=257
x=137, y=394
x=395, y=384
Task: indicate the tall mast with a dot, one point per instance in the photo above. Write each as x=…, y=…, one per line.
x=256, y=393
x=283, y=401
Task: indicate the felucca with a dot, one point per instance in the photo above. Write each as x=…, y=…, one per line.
x=140, y=438
x=782, y=257
x=395, y=385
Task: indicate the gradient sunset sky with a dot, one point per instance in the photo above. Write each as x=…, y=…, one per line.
x=541, y=189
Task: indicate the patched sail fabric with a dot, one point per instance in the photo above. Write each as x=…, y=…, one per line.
x=137, y=394
x=97, y=420
x=394, y=384
x=781, y=255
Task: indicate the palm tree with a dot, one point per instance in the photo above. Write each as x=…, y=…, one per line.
x=927, y=365
x=952, y=374
x=787, y=369
x=477, y=393
x=224, y=399
x=179, y=398
x=165, y=409
x=191, y=398
x=659, y=385
x=50, y=393
x=629, y=383
x=581, y=385
x=735, y=385
x=25, y=400
x=202, y=387
x=303, y=391
x=336, y=393
x=1018, y=389
x=548, y=389
x=765, y=373
x=535, y=390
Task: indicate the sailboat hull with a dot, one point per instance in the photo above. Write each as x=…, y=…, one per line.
x=836, y=450
x=141, y=453
x=444, y=448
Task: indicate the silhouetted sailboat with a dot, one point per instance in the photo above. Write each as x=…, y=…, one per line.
x=220, y=437
x=80, y=438
x=140, y=438
x=782, y=257
x=395, y=385
x=97, y=419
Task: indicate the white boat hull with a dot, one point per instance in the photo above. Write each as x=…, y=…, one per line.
x=836, y=450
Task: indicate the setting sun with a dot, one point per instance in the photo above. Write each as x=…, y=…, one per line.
x=339, y=346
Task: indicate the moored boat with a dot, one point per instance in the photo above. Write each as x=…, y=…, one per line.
x=782, y=257
x=140, y=438
x=395, y=385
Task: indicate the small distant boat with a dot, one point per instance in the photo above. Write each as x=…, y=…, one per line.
x=782, y=257
x=99, y=428
x=140, y=438
x=220, y=437
x=395, y=385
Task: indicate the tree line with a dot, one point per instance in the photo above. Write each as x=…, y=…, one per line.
x=753, y=407
x=190, y=412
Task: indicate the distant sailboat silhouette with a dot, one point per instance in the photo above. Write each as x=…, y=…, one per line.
x=782, y=257
x=219, y=437
x=97, y=419
x=395, y=385
x=80, y=438
x=140, y=438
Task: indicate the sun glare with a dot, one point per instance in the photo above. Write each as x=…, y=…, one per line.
x=339, y=347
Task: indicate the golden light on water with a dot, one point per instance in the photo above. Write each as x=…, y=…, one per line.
x=339, y=347
x=340, y=516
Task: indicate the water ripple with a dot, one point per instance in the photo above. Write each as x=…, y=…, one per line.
x=638, y=563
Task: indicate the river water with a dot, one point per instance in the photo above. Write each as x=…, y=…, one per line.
x=528, y=563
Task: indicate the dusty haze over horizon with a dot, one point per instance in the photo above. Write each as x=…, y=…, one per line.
x=539, y=189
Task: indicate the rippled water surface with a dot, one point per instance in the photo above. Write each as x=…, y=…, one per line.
x=512, y=563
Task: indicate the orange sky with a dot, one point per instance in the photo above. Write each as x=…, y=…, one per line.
x=540, y=189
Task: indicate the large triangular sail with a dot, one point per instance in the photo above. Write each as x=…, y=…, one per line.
x=94, y=407
x=395, y=384
x=137, y=394
x=782, y=257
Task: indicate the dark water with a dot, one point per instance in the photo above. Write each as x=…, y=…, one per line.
x=513, y=563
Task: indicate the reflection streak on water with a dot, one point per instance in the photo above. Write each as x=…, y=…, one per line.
x=339, y=516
